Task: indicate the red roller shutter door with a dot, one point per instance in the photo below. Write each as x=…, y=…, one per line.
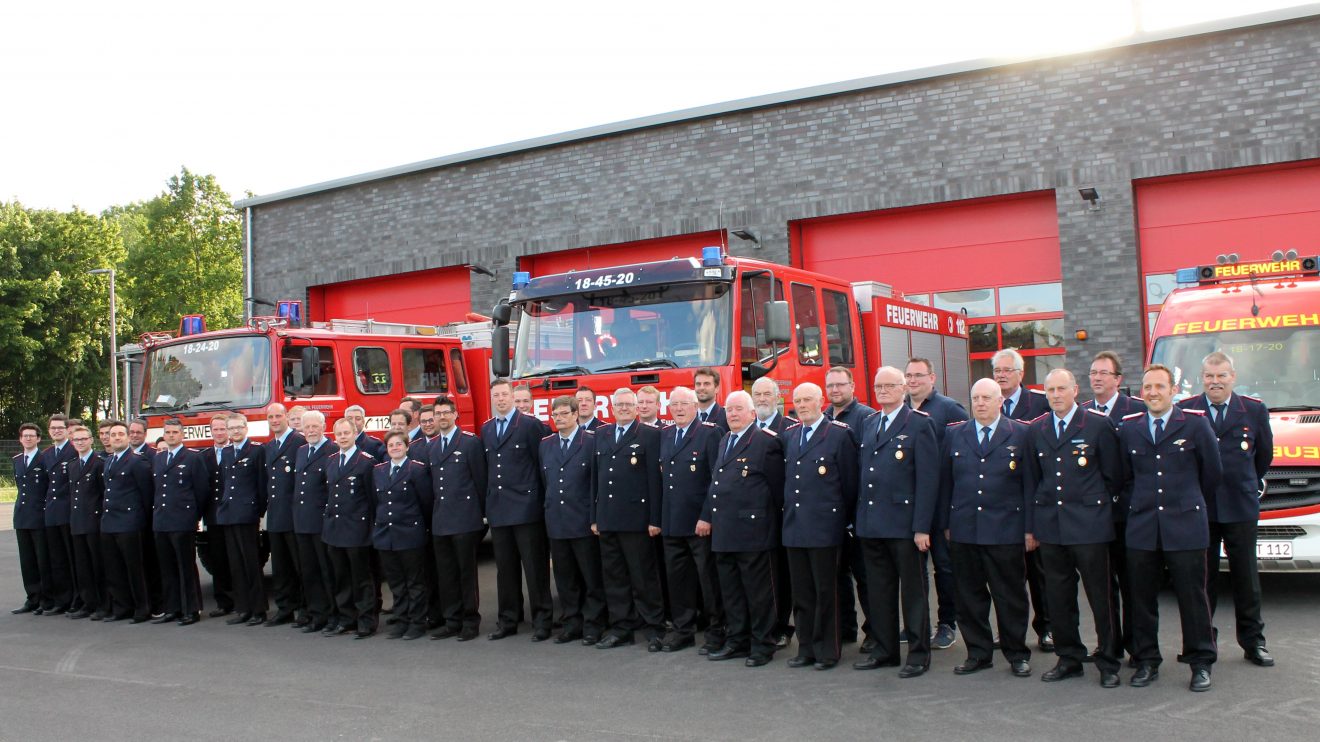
x=604, y=256
x=427, y=297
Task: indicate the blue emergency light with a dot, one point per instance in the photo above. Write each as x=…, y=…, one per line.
x=521, y=279
x=290, y=311
x=192, y=324
x=712, y=256
x=1186, y=275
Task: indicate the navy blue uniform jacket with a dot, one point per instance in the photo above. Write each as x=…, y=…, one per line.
x=281, y=481
x=513, y=490
x=403, y=506
x=1169, y=481
x=243, y=498
x=57, y=490
x=86, y=494
x=182, y=490
x=128, y=495
x=820, y=485
x=685, y=473
x=900, y=476
x=346, y=522
x=746, y=497
x=1246, y=449
x=458, y=479
x=567, y=481
x=1075, y=480
x=984, y=495
x=33, y=482
x=311, y=492
x=626, y=480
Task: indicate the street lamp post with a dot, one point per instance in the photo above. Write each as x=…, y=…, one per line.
x=114, y=344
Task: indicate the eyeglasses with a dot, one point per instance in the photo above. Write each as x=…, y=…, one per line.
x=1094, y=374
x=835, y=385
x=83, y=439
x=1005, y=371
x=887, y=387
x=915, y=376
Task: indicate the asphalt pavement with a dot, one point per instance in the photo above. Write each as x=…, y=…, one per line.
x=62, y=679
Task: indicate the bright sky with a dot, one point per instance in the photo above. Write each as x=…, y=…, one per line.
x=105, y=101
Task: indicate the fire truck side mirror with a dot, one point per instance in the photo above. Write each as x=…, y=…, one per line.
x=499, y=349
x=777, y=327
x=502, y=313
x=310, y=361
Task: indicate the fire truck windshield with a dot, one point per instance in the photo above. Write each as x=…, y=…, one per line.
x=223, y=372
x=642, y=327
x=1280, y=366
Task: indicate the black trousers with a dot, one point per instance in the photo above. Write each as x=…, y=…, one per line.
x=59, y=554
x=983, y=574
x=522, y=551
x=1188, y=570
x=1040, y=609
x=894, y=578
x=1121, y=588
x=242, y=544
x=151, y=569
x=852, y=568
x=747, y=583
x=34, y=564
x=315, y=572
x=1239, y=540
x=632, y=583
x=405, y=571
x=456, y=573
x=694, y=588
x=784, y=596
x=1064, y=565
x=815, y=575
x=125, y=580
x=286, y=582
x=217, y=555
x=580, y=584
x=355, y=587
x=88, y=572
x=938, y=555
x=177, y=555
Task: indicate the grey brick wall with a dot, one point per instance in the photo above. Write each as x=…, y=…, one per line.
x=1230, y=99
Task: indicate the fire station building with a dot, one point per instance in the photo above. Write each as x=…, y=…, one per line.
x=1050, y=200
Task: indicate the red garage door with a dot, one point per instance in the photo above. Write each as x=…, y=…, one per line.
x=995, y=258
x=1189, y=220
x=604, y=256
x=432, y=297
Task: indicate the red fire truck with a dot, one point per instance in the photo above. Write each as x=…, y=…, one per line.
x=1266, y=315
x=655, y=323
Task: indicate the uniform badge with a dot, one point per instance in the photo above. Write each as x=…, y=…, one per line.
x=1012, y=465
x=633, y=461
x=898, y=455
x=821, y=470
x=1081, y=461
x=694, y=467
x=1245, y=445
x=744, y=472
x=1180, y=441
x=288, y=469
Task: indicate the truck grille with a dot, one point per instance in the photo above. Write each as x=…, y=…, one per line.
x=1305, y=419
x=1291, y=488
x=1278, y=533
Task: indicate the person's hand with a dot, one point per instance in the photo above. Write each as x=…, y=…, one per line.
x=922, y=541
x=593, y=529
x=703, y=528
x=653, y=531
x=1032, y=543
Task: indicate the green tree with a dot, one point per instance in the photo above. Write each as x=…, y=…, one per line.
x=185, y=255
x=54, y=317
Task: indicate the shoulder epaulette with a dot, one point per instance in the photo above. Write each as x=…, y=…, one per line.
x=1094, y=411
x=415, y=462
x=367, y=455
x=548, y=437
x=1194, y=412
x=919, y=412
x=489, y=419
x=955, y=422
x=768, y=430
x=468, y=432
x=377, y=466
x=584, y=431
x=1252, y=398
x=1037, y=391
x=1040, y=417
x=797, y=424
x=1133, y=415
x=845, y=426
x=873, y=414
x=709, y=424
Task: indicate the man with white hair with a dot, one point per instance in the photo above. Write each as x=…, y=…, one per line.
x=357, y=415
x=765, y=398
x=625, y=513
x=311, y=492
x=741, y=515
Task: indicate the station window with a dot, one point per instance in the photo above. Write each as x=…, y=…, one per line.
x=807, y=322
x=291, y=372
x=371, y=368
x=1028, y=318
x=424, y=371
x=460, y=373
x=838, y=327
x=974, y=302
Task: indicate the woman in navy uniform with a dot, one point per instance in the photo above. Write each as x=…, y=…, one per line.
x=403, y=513
x=566, y=458
x=346, y=531
x=984, y=506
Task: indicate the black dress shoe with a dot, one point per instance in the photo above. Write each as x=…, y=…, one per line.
x=97, y=616
x=727, y=652
x=1146, y=675
x=826, y=664
x=140, y=619
x=301, y=621
x=565, y=637
x=1260, y=656
x=1200, y=680
x=467, y=635
x=312, y=628
x=257, y=619
x=57, y=611
x=279, y=619
x=540, y=635
x=336, y=630
x=875, y=663
x=868, y=644
x=912, y=671
x=781, y=641
x=589, y=640
x=414, y=633
x=1062, y=671
x=189, y=619
x=398, y=631
x=112, y=619
x=84, y=613
x=444, y=632
x=168, y=618
x=677, y=644
x=501, y=633
x=38, y=611
x=1046, y=642
x=710, y=646
x=218, y=612
x=25, y=608
x=241, y=618
x=971, y=665
x=610, y=641
x=363, y=633
x=1108, y=679
x=1020, y=668
x=655, y=644
x=757, y=660
x=800, y=661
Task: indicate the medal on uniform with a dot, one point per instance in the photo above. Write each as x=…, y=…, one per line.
x=1245, y=445
x=1081, y=461
x=694, y=467
x=287, y=469
x=1012, y=465
x=744, y=472
x=633, y=461
x=898, y=455
x=821, y=470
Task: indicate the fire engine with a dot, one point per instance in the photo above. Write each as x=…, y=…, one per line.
x=1266, y=316
x=656, y=323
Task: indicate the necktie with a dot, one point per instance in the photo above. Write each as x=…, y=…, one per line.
x=678, y=438
x=806, y=436
x=1008, y=408
x=1062, y=425
x=763, y=424
x=618, y=434
x=343, y=460
x=169, y=459
x=499, y=428
x=1219, y=413
x=444, y=444
x=703, y=416
x=733, y=441
x=1159, y=429
x=985, y=437
x=563, y=445
x=884, y=423
x=394, y=471
x=1103, y=408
